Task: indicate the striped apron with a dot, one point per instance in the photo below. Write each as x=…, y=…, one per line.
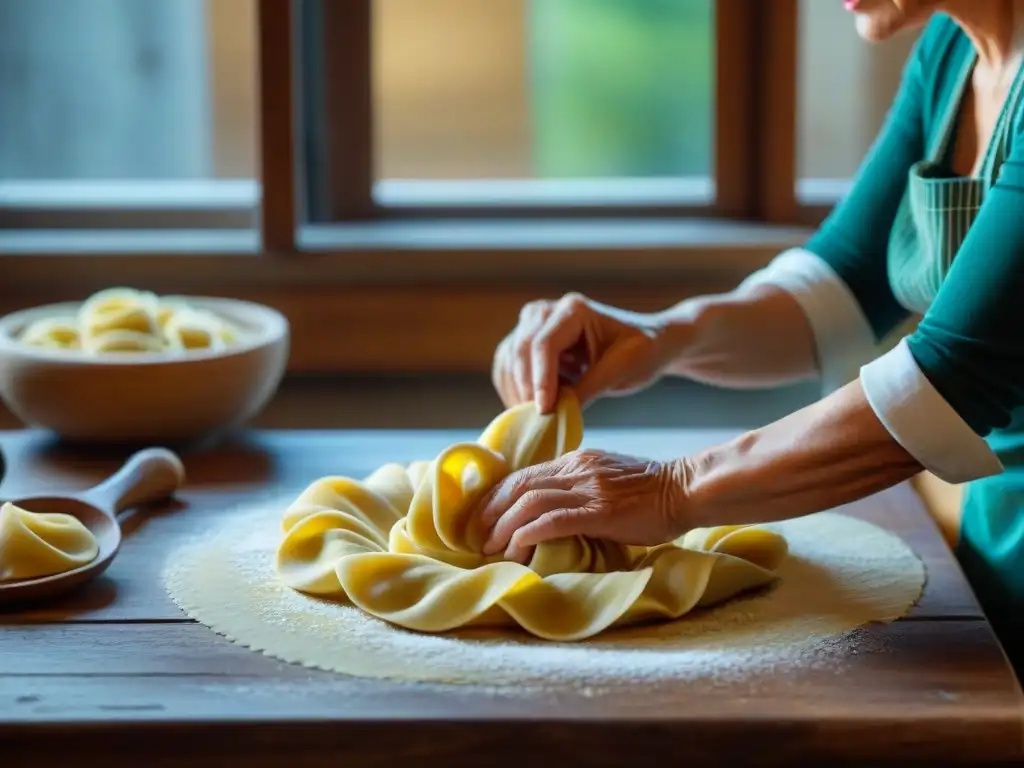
x=938, y=207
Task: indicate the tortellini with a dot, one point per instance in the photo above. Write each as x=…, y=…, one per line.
x=399, y=546
x=37, y=544
x=188, y=328
x=125, y=320
x=54, y=332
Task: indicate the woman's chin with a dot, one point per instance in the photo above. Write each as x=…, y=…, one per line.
x=872, y=29
x=876, y=23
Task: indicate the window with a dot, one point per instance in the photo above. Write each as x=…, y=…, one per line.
x=522, y=107
x=350, y=154
x=127, y=114
x=841, y=106
x=482, y=103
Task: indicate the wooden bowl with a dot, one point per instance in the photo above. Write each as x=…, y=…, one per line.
x=151, y=397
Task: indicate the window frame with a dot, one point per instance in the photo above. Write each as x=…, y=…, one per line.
x=754, y=125
x=370, y=257
x=328, y=130
x=324, y=124
x=344, y=142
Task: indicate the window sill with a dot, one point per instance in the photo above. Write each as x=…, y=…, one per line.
x=17, y=245
x=399, y=253
x=400, y=296
x=130, y=204
x=545, y=234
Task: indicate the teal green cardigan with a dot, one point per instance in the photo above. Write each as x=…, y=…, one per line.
x=970, y=342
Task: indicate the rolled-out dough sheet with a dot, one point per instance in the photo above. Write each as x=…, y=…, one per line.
x=841, y=573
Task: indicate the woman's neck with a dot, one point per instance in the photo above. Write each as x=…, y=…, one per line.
x=995, y=27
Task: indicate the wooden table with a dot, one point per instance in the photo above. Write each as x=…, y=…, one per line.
x=117, y=675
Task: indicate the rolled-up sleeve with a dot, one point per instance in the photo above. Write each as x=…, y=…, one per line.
x=843, y=337
x=969, y=347
x=960, y=375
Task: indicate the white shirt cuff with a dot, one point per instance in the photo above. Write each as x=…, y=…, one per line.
x=842, y=333
x=921, y=420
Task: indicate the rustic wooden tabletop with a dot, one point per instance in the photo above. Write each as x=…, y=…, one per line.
x=115, y=674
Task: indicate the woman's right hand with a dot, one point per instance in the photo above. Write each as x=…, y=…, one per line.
x=597, y=349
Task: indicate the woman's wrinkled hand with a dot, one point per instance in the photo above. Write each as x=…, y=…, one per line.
x=588, y=493
x=598, y=349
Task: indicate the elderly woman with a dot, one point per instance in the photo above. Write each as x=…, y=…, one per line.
x=934, y=225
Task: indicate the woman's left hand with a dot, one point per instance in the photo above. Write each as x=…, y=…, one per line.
x=589, y=493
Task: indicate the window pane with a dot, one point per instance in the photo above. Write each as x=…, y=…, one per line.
x=521, y=90
x=845, y=89
x=103, y=99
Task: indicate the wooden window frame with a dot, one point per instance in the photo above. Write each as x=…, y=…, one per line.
x=755, y=125
x=359, y=265
x=345, y=145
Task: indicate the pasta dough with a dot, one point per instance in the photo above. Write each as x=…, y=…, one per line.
x=120, y=320
x=53, y=332
x=39, y=544
x=841, y=573
x=398, y=545
x=188, y=328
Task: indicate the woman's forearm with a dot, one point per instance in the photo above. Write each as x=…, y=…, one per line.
x=828, y=454
x=751, y=337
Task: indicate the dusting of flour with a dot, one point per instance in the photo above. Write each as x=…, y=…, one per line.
x=841, y=574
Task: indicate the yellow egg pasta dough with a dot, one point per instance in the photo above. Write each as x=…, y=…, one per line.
x=34, y=544
x=399, y=546
x=125, y=320
x=53, y=333
x=362, y=577
x=188, y=328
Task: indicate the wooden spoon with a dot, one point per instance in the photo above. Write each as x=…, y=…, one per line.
x=150, y=475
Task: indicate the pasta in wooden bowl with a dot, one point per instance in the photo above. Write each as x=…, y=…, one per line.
x=128, y=365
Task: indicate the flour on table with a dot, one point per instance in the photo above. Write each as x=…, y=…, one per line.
x=841, y=574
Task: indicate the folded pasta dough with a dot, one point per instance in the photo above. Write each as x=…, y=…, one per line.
x=40, y=544
x=129, y=320
x=187, y=328
x=119, y=309
x=122, y=341
x=120, y=320
x=52, y=333
x=400, y=546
